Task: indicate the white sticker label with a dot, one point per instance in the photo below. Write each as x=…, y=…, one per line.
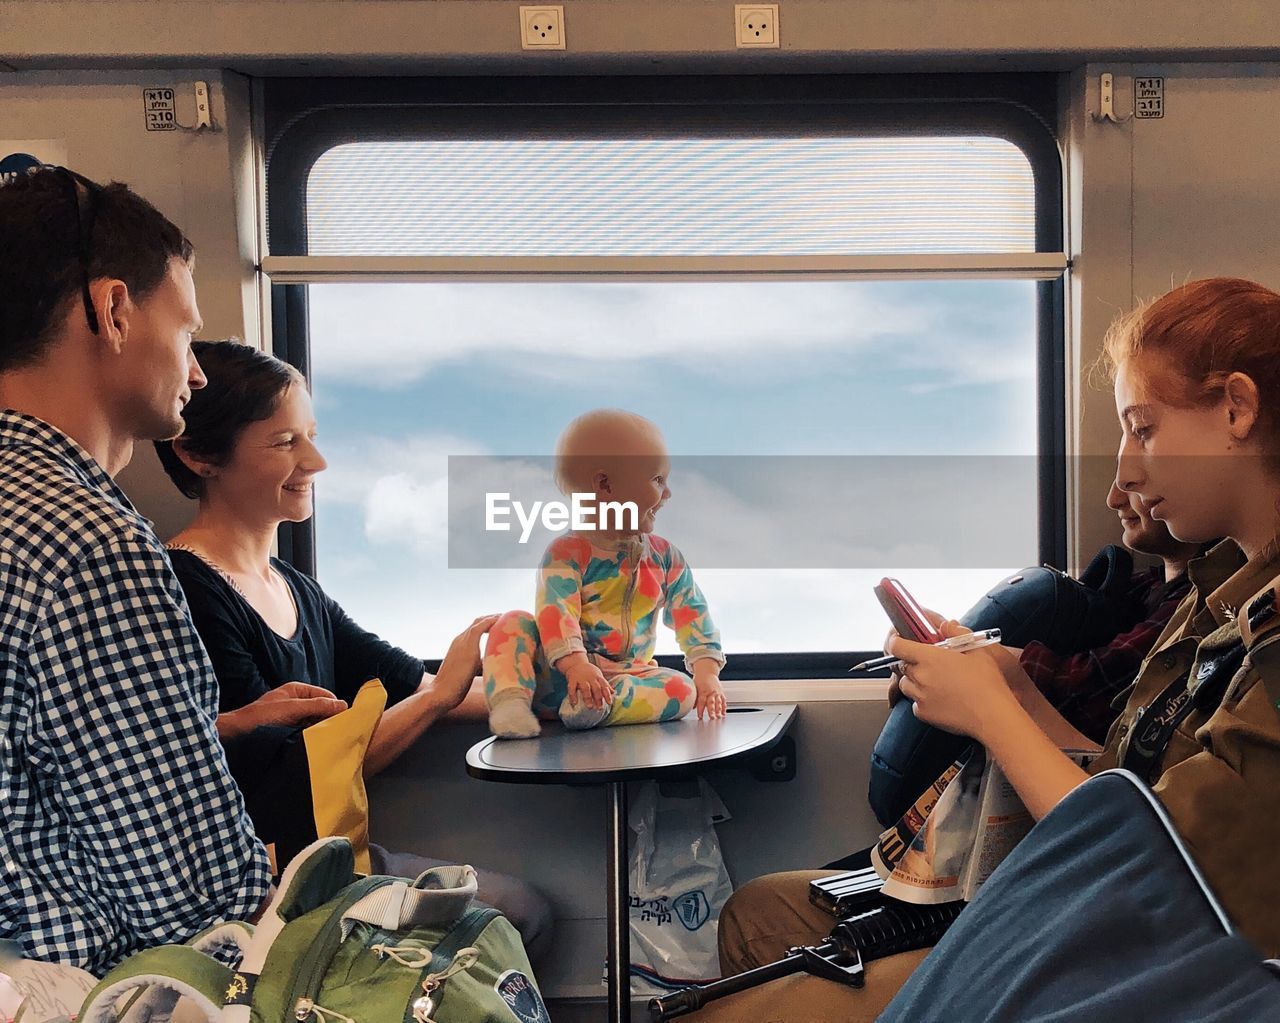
x=1148, y=97
x=161, y=109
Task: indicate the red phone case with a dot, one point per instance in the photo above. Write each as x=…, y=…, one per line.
x=905, y=613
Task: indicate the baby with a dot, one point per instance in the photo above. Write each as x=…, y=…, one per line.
x=586, y=654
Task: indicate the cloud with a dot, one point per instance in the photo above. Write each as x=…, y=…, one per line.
x=782, y=511
x=391, y=335
x=358, y=461
x=400, y=486
x=939, y=334
x=400, y=509
x=393, y=578
x=421, y=607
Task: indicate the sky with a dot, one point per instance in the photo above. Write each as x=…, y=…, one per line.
x=405, y=375
x=867, y=397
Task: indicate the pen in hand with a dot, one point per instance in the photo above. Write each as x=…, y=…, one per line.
x=969, y=641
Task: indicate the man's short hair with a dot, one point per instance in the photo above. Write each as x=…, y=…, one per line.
x=42, y=235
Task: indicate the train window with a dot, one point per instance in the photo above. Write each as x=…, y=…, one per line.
x=671, y=197
x=833, y=301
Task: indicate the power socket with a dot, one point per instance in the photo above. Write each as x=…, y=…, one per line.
x=756, y=25
x=542, y=28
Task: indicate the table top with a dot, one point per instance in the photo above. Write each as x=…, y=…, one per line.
x=674, y=749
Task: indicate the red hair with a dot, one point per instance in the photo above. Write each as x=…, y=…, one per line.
x=1182, y=347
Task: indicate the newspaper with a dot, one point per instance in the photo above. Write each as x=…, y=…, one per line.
x=40, y=991
x=955, y=835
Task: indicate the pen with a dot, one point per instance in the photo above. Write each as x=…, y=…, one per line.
x=969, y=641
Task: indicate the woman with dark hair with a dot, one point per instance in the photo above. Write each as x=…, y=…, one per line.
x=285, y=654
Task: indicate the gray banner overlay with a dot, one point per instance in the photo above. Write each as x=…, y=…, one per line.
x=779, y=511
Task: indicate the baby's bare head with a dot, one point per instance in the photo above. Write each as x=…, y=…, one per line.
x=597, y=441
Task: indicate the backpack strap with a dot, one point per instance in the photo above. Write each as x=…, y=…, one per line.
x=159, y=977
x=464, y=933
x=1153, y=726
x=439, y=895
x=1110, y=570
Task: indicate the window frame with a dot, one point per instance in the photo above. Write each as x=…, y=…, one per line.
x=304, y=118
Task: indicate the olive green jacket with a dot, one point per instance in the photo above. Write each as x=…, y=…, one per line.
x=1219, y=776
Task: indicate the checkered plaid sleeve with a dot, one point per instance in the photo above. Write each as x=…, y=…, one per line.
x=151, y=841
x=1084, y=686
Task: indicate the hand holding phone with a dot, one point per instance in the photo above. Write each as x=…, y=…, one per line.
x=905, y=613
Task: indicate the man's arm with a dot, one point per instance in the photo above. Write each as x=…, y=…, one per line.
x=123, y=732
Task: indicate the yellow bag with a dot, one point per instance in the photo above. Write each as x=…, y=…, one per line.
x=301, y=784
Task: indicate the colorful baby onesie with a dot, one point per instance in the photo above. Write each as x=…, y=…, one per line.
x=605, y=600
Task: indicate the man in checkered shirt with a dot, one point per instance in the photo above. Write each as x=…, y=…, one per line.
x=122, y=826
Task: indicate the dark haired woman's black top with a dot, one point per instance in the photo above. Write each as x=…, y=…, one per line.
x=270, y=763
x=249, y=657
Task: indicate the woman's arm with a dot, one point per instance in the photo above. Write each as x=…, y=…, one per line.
x=1062, y=732
x=967, y=693
x=1032, y=760
x=435, y=697
x=1009, y=660
x=402, y=724
x=474, y=707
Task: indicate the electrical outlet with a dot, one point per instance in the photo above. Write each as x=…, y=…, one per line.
x=757, y=25
x=542, y=28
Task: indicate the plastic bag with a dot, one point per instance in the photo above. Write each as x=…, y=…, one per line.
x=679, y=884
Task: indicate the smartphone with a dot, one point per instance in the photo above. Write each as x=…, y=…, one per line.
x=905, y=613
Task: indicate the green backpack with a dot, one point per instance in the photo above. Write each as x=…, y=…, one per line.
x=337, y=948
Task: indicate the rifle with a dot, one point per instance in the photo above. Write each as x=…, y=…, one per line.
x=883, y=931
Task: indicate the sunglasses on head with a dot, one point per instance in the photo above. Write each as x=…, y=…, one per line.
x=79, y=188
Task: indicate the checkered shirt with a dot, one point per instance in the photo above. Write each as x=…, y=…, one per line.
x=122, y=826
x=1085, y=686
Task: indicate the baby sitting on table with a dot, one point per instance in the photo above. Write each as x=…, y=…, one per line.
x=586, y=654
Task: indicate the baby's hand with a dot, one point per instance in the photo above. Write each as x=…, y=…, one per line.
x=706, y=681
x=588, y=685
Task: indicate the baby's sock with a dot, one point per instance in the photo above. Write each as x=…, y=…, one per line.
x=510, y=716
x=581, y=716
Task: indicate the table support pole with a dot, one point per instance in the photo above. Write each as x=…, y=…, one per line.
x=619, y=915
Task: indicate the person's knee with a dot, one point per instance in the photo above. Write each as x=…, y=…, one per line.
x=510, y=625
x=765, y=917
x=671, y=693
x=522, y=904
x=757, y=895
x=680, y=688
x=509, y=652
x=731, y=936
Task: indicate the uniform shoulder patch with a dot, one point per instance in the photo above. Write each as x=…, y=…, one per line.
x=1260, y=614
